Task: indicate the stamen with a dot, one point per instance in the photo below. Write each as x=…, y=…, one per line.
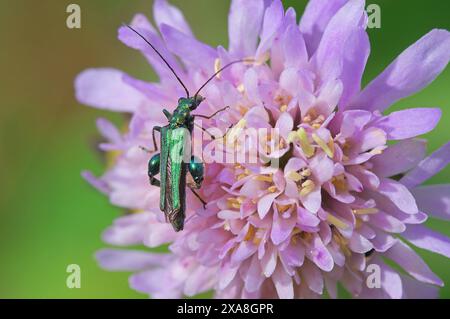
x=283, y=208
x=241, y=88
x=307, y=119
x=294, y=176
x=264, y=178
x=292, y=137
x=324, y=146
x=234, y=132
x=283, y=108
x=365, y=211
x=342, y=242
x=241, y=176
x=258, y=236
x=233, y=202
x=304, y=142
x=217, y=67
x=250, y=233
x=339, y=182
x=306, y=172
x=307, y=187
x=336, y=222
x=272, y=189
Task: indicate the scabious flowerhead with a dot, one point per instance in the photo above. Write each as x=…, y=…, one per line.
x=342, y=196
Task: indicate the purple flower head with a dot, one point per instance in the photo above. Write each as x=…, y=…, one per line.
x=343, y=197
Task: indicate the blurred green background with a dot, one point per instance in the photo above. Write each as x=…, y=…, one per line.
x=49, y=216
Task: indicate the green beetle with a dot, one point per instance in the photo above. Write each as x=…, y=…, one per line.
x=171, y=163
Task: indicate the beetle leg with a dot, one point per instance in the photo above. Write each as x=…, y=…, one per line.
x=226, y=131
x=146, y=150
x=205, y=130
x=155, y=181
x=167, y=114
x=214, y=114
x=198, y=196
x=158, y=129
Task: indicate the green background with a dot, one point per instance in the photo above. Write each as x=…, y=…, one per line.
x=49, y=216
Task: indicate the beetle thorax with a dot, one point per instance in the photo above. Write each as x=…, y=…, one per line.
x=180, y=116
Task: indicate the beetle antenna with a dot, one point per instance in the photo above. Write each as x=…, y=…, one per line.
x=159, y=54
x=223, y=68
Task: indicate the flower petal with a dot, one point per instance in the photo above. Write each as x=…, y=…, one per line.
x=244, y=23
x=425, y=238
x=192, y=52
x=320, y=255
x=412, y=263
x=105, y=89
x=413, y=70
x=281, y=228
x=273, y=17
x=399, y=195
x=414, y=289
x=283, y=283
x=164, y=13
x=129, y=260
x=356, y=54
x=391, y=282
x=315, y=19
x=427, y=168
x=434, y=200
x=294, y=46
x=159, y=234
x=133, y=40
x=265, y=203
x=409, y=123
x=98, y=183
x=313, y=277
x=399, y=158
x=330, y=53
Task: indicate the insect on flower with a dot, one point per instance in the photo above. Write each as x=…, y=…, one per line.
x=174, y=160
x=347, y=194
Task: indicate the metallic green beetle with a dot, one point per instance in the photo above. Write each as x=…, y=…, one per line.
x=171, y=163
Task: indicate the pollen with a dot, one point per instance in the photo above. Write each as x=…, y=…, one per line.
x=272, y=189
x=283, y=108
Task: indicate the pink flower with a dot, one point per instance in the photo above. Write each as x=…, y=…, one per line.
x=342, y=197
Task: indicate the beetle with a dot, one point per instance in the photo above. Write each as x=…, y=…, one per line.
x=171, y=162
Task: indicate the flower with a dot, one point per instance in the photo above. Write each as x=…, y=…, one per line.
x=347, y=192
